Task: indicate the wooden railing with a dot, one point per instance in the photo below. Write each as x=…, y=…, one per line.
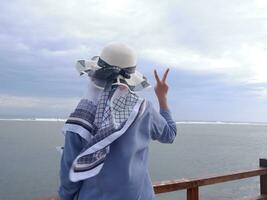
x=192, y=185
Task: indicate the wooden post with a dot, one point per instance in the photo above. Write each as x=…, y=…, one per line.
x=263, y=178
x=192, y=193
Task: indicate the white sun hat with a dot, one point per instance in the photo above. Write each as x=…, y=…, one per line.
x=119, y=57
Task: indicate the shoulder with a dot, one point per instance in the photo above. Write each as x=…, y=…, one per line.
x=147, y=109
x=72, y=137
x=146, y=106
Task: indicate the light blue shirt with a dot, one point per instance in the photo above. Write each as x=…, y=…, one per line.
x=125, y=174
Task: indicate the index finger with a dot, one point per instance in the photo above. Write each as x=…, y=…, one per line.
x=156, y=76
x=165, y=75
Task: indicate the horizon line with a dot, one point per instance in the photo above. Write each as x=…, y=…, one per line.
x=177, y=122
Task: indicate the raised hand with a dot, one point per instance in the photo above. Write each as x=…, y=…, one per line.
x=161, y=89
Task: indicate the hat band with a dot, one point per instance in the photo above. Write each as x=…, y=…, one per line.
x=103, y=64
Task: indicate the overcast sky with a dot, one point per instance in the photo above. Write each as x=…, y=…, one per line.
x=216, y=49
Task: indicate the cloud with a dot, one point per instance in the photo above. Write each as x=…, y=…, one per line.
x=225, y=37
x=17, y=102
x=33, y=106
x=220, y=45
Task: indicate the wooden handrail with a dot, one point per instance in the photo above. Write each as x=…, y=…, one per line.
x=192, y=185
x=170, y=186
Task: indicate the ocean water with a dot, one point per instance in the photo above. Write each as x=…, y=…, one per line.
x=30, y=163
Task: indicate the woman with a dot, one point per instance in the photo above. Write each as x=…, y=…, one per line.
x=107, y=136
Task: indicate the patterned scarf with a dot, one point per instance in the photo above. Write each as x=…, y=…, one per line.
x=100, y=123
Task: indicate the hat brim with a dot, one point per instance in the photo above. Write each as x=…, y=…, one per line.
x=136, y=82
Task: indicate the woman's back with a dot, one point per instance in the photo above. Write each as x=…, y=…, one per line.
x=125, y=172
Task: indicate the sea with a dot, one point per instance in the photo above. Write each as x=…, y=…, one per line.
x=29, y=161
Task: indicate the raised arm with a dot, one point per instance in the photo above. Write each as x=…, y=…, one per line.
x=164, y=128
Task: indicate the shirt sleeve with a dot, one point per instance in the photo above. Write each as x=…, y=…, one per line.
x=163, y=127
x=73, y=146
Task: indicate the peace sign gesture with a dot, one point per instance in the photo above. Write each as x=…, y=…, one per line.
x=161, y=89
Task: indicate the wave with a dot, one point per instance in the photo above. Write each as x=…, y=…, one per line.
x=222, y=123
x=178, y=122
x=35, y=119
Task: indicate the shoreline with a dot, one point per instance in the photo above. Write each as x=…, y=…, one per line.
x=177, y=122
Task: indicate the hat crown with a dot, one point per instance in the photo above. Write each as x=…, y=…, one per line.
x=119, y=54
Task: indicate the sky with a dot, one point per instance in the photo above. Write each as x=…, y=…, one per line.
x=216, y=52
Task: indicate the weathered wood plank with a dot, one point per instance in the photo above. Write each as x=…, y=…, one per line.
x=169, y=186
x=261, y=197
x=263, y=178
x=192, y=194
